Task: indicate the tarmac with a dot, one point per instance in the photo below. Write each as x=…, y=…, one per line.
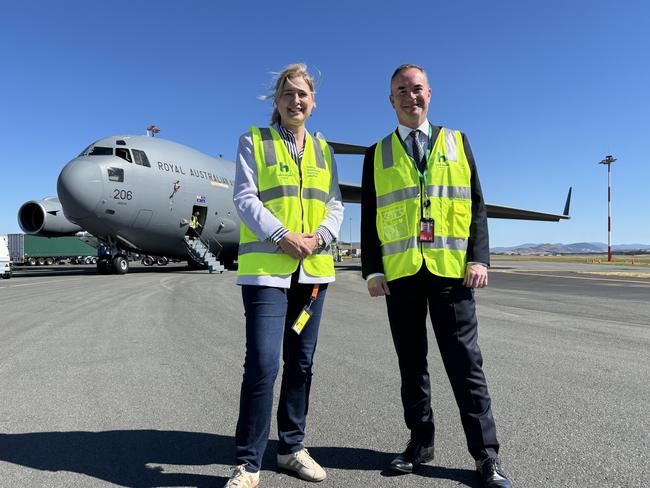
x=134, y=380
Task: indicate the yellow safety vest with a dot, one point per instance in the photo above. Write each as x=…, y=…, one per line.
x=297, y=196
x=401, y=195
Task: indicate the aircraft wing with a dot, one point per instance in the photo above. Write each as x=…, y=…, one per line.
x=342, y=148
x=351, y=193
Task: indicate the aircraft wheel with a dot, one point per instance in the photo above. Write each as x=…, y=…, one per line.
x=104, y=266
x=120, y=264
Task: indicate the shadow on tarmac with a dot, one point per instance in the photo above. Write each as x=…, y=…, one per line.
x=133, y=458
x=91, y=270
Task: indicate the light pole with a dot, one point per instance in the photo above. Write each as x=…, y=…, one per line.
x=609, y=159
x=350, y=236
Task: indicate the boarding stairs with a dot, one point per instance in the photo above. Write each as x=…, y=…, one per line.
x=200, y=253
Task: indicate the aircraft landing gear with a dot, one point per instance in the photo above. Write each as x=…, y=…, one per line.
x=104, y=265
x=120, y=264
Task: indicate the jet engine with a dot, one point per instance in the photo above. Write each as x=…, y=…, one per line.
x=45, y=218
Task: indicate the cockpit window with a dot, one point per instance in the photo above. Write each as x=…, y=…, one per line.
x=115, y=174
x=100, y=151
x=141, y=158
x=123, y=153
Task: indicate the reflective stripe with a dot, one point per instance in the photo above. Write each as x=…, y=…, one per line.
x=315, y=194
x=398, y=195
x=451, y=151
x=263, y=247
x=399, y=246
x=449, y=192
x=451, y=243
x=279, y=192
x=387, y=151
x=320, y=157
x=267, y=144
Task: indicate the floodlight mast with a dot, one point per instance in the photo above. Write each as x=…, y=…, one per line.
x=608, y=160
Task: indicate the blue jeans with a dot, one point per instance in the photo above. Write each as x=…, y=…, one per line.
x=270, y=313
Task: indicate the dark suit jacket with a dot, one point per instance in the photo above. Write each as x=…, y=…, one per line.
x=478, y=249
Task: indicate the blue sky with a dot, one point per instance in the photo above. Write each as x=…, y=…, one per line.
x=544, y=90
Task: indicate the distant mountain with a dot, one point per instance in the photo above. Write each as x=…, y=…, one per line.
x=575, y=248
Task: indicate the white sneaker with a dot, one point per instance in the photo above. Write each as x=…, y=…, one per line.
x=302, y=463
x=240, y=478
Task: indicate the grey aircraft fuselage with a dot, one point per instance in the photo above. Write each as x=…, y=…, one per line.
x=138, y=193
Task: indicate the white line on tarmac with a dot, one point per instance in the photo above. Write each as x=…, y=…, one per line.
x=569, y=277
x=34, y=283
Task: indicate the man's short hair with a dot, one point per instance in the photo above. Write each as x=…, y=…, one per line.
x=407, y=66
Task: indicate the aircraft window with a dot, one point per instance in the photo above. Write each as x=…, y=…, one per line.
x=141, y=158
x=101, y=151
x=123, y=153
x=120, y=142
x=115, y=174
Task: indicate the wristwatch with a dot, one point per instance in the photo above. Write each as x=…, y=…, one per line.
x=321, y=241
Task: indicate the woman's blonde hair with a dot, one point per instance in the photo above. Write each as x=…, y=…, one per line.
x=290, y=71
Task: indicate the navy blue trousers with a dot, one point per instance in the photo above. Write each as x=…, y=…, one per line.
x=452, y=309
x=270, y=313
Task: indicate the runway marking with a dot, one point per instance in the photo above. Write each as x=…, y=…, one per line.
x=35, y=283
x=569, y=277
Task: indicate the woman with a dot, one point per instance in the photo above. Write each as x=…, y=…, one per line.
x=289, y=203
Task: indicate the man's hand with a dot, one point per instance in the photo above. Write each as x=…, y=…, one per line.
x=295, y=245
x=378, y=286
x=476, y=276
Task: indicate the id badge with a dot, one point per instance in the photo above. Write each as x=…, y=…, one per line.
x=426, y=230
x=301, y=321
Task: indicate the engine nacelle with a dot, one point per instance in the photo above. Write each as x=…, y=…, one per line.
x=45, y=218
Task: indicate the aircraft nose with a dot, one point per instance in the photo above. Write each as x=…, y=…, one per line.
x=80, y=187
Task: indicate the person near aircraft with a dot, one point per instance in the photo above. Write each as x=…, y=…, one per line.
x=424, y=237
x=195, y=225
x=289, y=203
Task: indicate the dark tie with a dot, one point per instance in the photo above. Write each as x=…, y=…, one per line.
x=418, y=150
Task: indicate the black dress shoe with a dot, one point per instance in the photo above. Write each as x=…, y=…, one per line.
x=491, y=474
x=415, y=453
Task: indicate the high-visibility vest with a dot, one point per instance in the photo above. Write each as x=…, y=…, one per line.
x=296, y=195
x=401, y=196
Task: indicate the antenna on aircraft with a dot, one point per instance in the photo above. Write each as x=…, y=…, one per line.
x=152, y=130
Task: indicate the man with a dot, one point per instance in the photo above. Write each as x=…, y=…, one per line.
x=425, y=243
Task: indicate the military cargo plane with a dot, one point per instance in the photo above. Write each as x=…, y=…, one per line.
x=152, y=196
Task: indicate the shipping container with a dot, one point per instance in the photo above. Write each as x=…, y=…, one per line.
x=26, y=249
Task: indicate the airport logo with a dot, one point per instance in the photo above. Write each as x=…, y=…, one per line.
x=283, y=169
x=440, y=160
